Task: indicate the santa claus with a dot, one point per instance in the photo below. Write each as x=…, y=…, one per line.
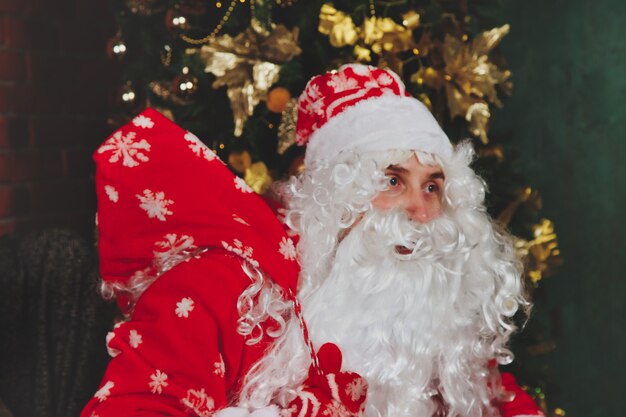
x=403, y=274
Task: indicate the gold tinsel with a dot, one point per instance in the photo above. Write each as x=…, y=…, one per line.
x=287, y=127
x=248, y=64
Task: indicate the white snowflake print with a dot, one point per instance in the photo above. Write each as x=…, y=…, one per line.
x=158, y=382
x=112, y=193
x=201, y=403
x=288, y=412
x=287, y=249
x=111, y=351
x=336, y=409
x=240, y=220
x=385, y=80
x=241, y=250
x=356, y=389
x=103, y=393
x=342, y=82
x=174, y=249
x=199, y=148
x=155, y=204
x=219, y=368
x=240, y=184
x=143, y=121
x=125, y=147
x=134, y=339
x=183, y=307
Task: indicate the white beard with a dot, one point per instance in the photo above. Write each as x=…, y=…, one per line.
x=411, y=324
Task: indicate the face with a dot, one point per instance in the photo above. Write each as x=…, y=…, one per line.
x=415, y=188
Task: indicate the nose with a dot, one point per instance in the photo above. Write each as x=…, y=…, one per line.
x=419, y=208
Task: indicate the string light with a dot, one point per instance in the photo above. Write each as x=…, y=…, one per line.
x=372, y=9
x=215, y=31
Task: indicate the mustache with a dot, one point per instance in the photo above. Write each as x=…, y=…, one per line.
x=392, y=231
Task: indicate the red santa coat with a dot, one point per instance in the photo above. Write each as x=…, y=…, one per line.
x=169, y=208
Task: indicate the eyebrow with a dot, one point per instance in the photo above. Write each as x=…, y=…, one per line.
x=401, y=170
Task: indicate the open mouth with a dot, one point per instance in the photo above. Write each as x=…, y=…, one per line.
x=403, y=250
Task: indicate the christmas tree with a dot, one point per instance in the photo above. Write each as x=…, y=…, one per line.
x=231, y=72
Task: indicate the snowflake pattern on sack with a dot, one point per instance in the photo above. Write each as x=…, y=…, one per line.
x=131, y=152
x=287, y=249
x=104, y=392
x=198, y=401
x=143, y=121
x=241, y=185
x=244, y=251
x=184, y=307
x=356, y=389
x=174, y=249
x=219, y=368
x=199, y=148
x=240, y=220
x=155, y=204
x=134, y=339
x=158, y=382
x=384, y=80
x=112, y=193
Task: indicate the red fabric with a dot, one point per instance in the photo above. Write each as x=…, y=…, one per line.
x=334, y=393
x=161, y=191
x=163, y=195
x=329, y=94
x=173, y=359
x=521, y=405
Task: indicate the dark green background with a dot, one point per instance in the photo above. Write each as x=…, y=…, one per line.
x=567, y=126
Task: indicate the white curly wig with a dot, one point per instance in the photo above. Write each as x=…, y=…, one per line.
x=420, y=326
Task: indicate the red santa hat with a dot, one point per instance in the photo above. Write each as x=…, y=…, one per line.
x=364, y=108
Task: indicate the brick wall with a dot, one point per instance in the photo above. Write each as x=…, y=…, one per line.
x=55, y=95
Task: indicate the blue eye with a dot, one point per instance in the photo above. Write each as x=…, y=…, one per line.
x=393, y=181
x=431, y=188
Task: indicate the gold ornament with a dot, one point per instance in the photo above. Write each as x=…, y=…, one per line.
x=258, y=177
x=470, y=78
x=382, y=36
x=338, y=26
x=240, y=161
x=277, y=99
x=541, y=254
x=127, y=95
x=287, y=127
x=248, y=64
x=478, y=115
x=116, y=47
x=411, y=20
x=185, y=84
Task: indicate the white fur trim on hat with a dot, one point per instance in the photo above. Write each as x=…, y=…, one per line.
x=379, y=123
